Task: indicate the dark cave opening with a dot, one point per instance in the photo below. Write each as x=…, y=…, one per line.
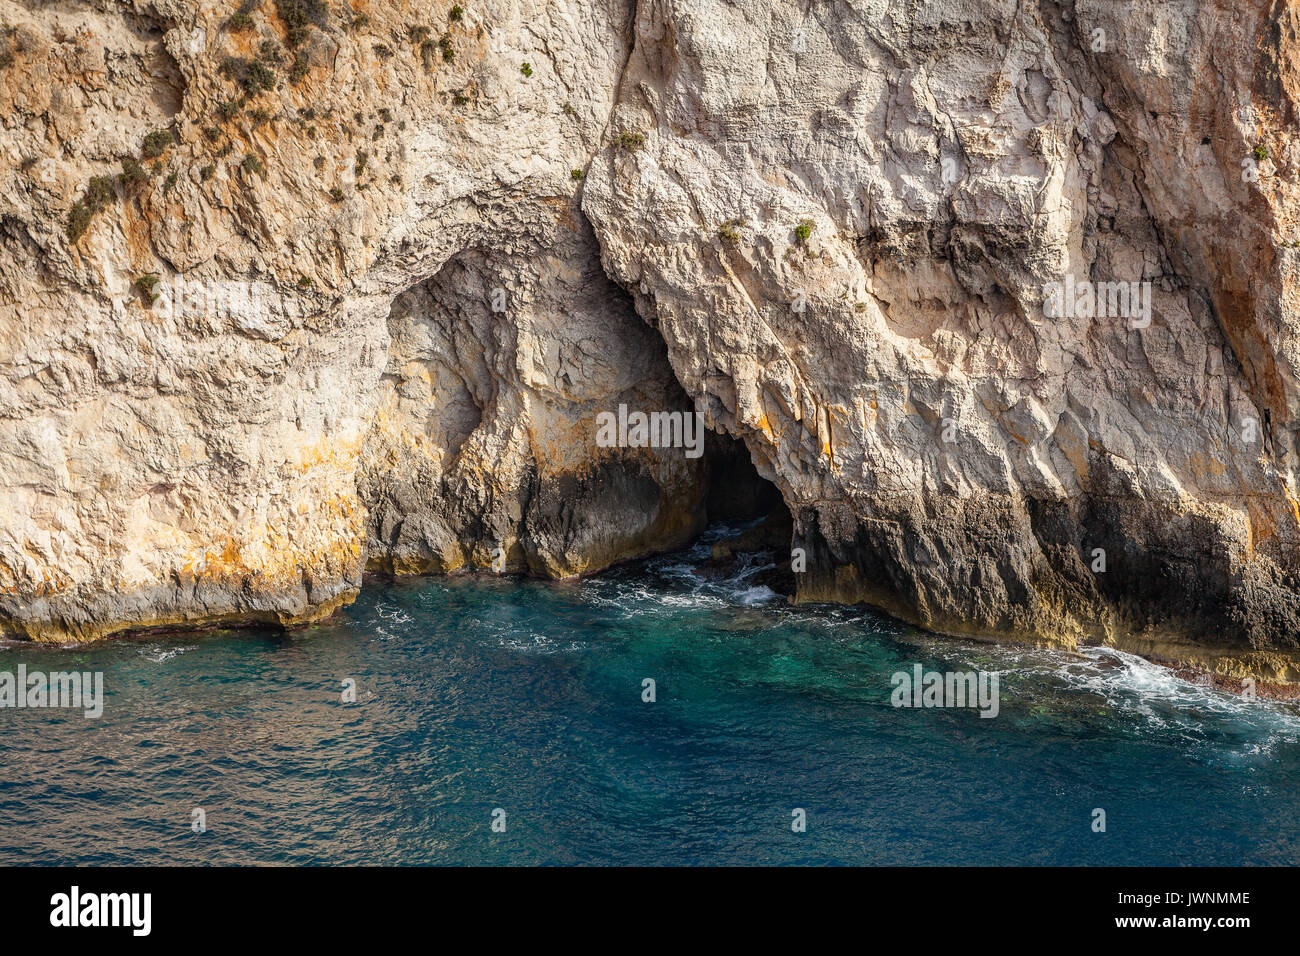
x=736, y=491
x=760, y=525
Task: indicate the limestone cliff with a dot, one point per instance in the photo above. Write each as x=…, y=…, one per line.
x=293, y=288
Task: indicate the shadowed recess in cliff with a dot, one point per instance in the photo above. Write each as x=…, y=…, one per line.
x=878, y=321
x=484, y=450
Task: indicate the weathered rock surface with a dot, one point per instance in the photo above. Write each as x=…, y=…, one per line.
x=330, y=387
x=416, y=268
x=949, y=451
x=482, y=454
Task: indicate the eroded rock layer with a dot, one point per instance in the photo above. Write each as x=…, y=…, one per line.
x=1000, y=295
x=846, y=223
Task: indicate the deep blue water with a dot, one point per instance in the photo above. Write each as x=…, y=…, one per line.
x=479, y=693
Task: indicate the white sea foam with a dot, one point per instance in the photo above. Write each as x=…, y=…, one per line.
x=1213, y=724
x=1125, y=692
x=538, y=644
x=161, y=654
x=393, y=614
x=758, y=594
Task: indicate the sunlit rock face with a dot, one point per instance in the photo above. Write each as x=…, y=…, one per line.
x=1000, y=296
x=856, y=227
x=314, y=388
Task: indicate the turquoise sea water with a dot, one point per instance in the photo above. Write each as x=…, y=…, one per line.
x=480, y=693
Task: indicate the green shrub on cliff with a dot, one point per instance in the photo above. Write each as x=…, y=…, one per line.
x=271, y=53
x=259, y=77
x=156, y=143
x=134, y=177
x=99, y=194
x=254, y=76
x=242, y=19
x=300, y=16
x=145, y=286
x=79, y=217
x=630, y=140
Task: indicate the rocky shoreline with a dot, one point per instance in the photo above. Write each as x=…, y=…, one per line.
x=999, y=301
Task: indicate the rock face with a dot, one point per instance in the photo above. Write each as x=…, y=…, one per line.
x=951, y=449
x=1001, y=296
x=482, y=449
